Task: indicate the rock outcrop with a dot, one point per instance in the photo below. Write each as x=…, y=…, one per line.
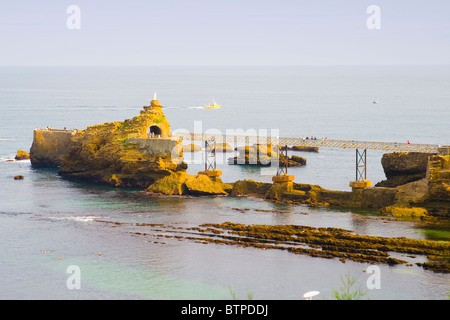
x=403, y=167
x=49, y=147
x=181, y=183
x=419, y=183
x=104, y=153
x=264, y=155
x=22, y=155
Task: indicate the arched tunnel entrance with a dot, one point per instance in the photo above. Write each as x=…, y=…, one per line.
x=154, y=132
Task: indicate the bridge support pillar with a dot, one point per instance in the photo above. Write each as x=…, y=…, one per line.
x=361, y=171
x=210, y=160
x=282, y=175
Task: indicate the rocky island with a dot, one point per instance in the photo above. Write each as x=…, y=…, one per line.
x=142, y=153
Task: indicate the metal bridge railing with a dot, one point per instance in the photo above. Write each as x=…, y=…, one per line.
x=344, y=144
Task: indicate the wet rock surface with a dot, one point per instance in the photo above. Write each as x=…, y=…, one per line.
x=327, y=243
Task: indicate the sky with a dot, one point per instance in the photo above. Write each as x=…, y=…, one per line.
x=224, y=32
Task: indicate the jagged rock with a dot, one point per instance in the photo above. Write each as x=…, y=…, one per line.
x=403, y=167
x=173, y=184
x=201, y=184
x=22, y=155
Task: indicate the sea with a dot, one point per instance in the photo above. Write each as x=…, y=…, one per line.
x=77, y=240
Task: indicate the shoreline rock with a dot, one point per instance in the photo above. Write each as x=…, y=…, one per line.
x=403, y=167
x=22, y=155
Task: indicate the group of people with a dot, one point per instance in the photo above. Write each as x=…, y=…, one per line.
x=312, y=138
x=154, y=135
x=50, y=128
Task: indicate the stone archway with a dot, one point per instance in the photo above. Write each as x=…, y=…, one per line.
x=154, y=132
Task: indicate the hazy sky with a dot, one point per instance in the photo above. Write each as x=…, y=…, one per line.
x=225, y=32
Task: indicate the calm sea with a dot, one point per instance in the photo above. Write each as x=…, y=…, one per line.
x=48, y=223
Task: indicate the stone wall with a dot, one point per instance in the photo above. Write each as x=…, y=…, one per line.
x=156, y=146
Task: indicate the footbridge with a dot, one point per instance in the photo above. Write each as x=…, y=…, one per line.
x=360, y=147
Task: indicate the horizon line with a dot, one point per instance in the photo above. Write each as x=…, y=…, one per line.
x=238, y=65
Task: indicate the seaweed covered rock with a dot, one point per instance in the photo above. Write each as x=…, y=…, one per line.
x=250, y=188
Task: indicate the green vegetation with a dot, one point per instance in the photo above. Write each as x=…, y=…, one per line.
x=159, y=120
x=234, y=296
x=347, y=289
